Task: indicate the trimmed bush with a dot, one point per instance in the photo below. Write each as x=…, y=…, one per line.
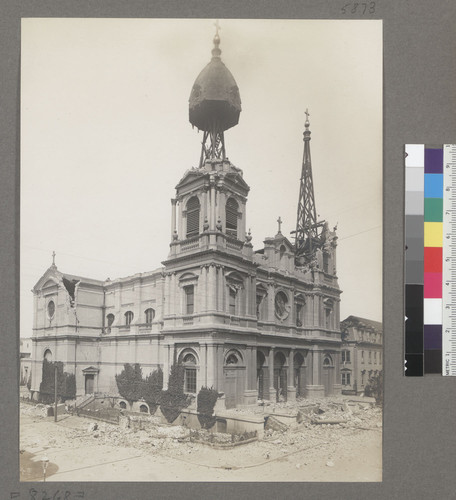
x=207, y=397
x=66, y=383
x=152, y=389
x=173, y=400
x=374, y=388
x=130, y=382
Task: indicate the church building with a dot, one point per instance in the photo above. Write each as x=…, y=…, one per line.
x=253, y=324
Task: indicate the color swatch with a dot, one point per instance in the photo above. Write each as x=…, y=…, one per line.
x=433, y=242
x=423, y=258
x=414, y=259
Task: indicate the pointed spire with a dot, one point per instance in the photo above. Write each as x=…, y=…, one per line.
x=307, y=227
x=216, y=52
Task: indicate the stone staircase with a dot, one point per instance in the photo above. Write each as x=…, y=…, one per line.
x=82, y=401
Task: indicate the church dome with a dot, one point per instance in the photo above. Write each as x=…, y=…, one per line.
x=215, y=103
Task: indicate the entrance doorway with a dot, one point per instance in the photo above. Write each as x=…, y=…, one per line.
x=261, y=359
x=299, y=374
x=233, y=379
x=89, y=383
x=328, y=375
x=280, y=377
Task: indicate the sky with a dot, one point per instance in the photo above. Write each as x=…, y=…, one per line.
x=105, y=138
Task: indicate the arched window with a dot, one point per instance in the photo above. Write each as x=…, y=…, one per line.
x=143, y=409
x=189, y=299
x=232, y=301
x=150, y=315
x=189, y=362
x=123, y=405
x=193, y=217
x=110, y=318
x=327, y=361
x=233, y=358
x=48, y=355
x=128, y=317
x=282, y=251
x=232, y=209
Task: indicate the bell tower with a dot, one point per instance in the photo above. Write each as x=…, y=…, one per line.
x=209, y=210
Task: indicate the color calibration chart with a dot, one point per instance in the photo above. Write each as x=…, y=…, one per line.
x=430, y=259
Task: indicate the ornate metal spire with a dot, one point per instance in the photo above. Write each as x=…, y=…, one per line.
x=307, y=238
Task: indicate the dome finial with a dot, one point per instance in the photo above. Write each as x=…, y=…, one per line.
x=307, y=123
x=216, y=50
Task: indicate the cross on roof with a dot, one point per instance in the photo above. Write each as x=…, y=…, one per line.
x=279, y=221
x=53, y=258
x=217, y=27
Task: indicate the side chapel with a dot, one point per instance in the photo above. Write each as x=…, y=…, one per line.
x=254, y=324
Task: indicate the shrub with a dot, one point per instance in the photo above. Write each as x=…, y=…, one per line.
x=66, y=383
x=205, y=405
x=173, y=400
x=374, y=388
x=152, y=389
x=130, y=382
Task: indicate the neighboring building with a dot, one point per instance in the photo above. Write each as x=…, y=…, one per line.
x=25, y=350
x=252, y=324
x=362, y=352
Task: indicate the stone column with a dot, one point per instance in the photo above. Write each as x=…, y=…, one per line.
x=180, y=228
x=212, y=289
x=291, y=389
x=272, y=391
x=166, y=366
x=173, y=217
x=251, y=391
x=212, y=221
x=270, y=299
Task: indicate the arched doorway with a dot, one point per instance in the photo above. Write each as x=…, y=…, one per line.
x=261, y=359
x=280, y=376
x=234, y=378
x=328, y=375
x=299, y=374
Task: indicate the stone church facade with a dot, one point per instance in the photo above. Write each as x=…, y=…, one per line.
x=251, y=323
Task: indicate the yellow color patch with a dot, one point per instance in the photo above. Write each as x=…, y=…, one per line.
x=433, y=234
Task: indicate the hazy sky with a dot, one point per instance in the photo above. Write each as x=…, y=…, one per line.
x=105, y=138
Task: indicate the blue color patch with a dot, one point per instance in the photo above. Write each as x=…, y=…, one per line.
x=433, y=185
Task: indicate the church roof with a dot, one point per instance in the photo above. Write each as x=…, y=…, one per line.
x=52, y=273
x=363, y=323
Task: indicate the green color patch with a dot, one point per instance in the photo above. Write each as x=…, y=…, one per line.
x=433, y=209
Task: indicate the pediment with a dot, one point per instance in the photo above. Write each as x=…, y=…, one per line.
x=50, y=278
x=91, y=370
x=189, y=177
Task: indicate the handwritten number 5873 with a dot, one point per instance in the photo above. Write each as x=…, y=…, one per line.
x=359, y=8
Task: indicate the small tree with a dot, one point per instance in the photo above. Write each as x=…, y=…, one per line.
x=130, y=382
x=152, y=389
x=205, y=405
x=173, y=400
x=374, y=388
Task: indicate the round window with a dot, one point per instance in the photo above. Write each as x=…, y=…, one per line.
x=281, y=305
x=51, y=309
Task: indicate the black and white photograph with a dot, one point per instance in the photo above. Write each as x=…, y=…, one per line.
x=201, y=250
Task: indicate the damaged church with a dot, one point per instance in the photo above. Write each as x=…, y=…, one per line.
x=253, y=324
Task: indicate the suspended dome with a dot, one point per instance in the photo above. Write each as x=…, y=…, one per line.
x=215, y=103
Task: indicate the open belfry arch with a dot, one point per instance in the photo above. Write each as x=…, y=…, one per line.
x=254, y=325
